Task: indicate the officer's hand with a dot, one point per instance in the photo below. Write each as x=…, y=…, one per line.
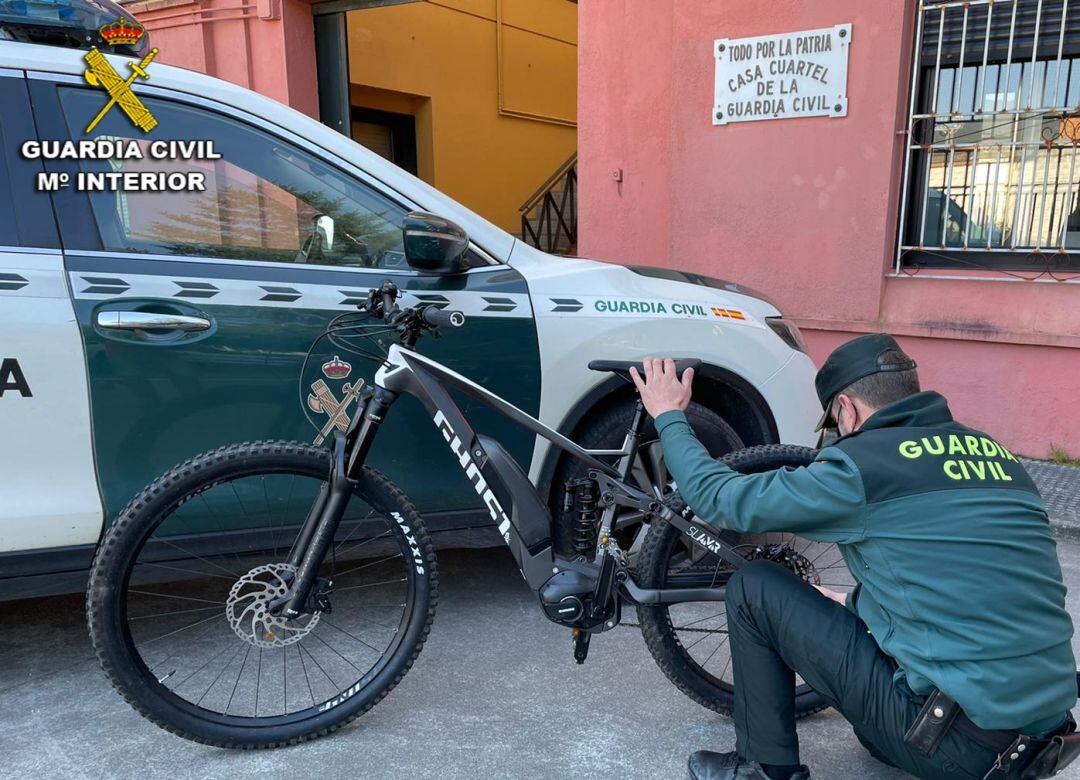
x=661, y=391
x=832, y=595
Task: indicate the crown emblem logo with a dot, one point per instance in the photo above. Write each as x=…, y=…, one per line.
x=336, y=368
x=121, y=32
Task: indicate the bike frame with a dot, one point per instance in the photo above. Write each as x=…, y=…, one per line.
x=518, y=511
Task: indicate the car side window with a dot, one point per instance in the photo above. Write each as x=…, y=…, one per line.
x=264, y=199
x=26, y=213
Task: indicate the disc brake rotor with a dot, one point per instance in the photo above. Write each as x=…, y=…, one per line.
x=248, y=608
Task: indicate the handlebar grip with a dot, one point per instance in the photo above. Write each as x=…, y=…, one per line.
x=435, y=317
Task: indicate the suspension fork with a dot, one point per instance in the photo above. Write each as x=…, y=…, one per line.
x=317, y=534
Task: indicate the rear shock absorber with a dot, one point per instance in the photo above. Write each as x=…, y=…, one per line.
x=581, y=498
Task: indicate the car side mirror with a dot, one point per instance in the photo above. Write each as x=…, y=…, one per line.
x=434, y=244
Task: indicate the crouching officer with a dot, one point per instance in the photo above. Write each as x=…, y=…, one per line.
x=952, y=658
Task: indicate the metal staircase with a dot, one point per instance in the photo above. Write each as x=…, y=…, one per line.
x=549, y=216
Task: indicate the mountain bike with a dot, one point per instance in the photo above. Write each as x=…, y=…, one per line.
x=269, y=592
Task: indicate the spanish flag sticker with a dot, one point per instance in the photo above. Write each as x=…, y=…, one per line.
x=731, y=314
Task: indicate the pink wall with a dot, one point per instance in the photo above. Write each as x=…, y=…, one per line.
x=806, y=209
x=264, y=45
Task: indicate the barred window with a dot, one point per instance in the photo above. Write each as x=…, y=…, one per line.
x=991, y=175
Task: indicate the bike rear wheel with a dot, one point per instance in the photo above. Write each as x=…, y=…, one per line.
x=179, y=589
x=689, y=642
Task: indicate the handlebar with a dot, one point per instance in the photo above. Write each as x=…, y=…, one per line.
x=434, y=317
x=410, y=322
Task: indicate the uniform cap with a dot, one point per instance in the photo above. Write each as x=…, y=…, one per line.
x=861, y=357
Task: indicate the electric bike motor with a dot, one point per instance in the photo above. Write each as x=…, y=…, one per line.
x=567, y=599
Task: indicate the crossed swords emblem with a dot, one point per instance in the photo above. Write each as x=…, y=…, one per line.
x=102, y=74
x=323, y=401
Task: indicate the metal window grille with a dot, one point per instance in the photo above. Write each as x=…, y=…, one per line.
x=991, y=176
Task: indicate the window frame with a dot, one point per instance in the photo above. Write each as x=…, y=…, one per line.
x=278, y=132
x=916, y=159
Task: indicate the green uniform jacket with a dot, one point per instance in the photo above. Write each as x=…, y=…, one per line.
x=948, y=538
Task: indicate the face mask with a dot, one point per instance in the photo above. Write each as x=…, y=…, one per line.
x=836, y=416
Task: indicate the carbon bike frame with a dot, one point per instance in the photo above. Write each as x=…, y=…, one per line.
x=518, y=511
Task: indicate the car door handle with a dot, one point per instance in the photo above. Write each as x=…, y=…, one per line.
x=148, y=320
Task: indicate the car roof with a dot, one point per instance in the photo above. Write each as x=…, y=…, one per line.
x=40, y=59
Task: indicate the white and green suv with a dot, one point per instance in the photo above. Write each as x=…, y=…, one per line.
x=140, y=328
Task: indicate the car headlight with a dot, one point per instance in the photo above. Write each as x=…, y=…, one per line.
x=787, y=331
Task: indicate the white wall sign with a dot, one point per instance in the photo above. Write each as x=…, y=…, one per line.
x=782, y=76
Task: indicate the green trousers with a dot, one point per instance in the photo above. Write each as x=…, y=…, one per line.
x=780, y=626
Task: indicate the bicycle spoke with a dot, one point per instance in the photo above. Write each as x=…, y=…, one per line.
x=333, y=650
x=722, y=643
x=700, y=639
x=223, y=668
x=238, y=676
x=815, y=560
x=219, y=524
x=175, y=612
x=366, y=541
x=171, y=596
x=208, y=660
x=372, y=563
x=307, y=679
x=185, y=628
x=189, y=571
x=270, y=517
x=342, y=630
x=354, y=529
x=370, y=585
x=716, y=574
x=376, y=622
x=702, y=620
x=238, y=501
x=234, y=575
x=315, y=661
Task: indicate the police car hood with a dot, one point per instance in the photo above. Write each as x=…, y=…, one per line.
x=635, y=288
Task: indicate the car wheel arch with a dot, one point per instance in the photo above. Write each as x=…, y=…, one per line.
x=723, y=391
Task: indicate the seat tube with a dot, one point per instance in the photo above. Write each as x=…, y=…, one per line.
x=630, y=443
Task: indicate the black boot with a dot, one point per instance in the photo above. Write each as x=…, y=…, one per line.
x=706, y=765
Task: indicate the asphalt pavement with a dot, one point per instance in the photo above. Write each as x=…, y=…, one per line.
x=495, y=694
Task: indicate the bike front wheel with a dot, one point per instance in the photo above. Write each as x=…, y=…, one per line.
x=179, y=590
